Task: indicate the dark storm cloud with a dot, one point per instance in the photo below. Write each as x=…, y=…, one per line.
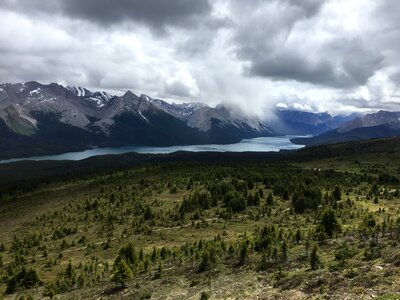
x=396, y=77
x=308, y=8
x=342, y=64
x=200, y=41
x=157, y=14
x=269, y=44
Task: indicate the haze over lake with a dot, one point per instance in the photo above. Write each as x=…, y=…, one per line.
x=261, y=144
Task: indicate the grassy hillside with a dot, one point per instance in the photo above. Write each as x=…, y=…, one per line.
x=214, y=226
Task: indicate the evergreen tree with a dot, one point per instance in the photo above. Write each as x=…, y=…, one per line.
x=307, y=245
x=81, y=281
x=129, y=254
x=11, y=285
x=263, y=263
x=375, y=189
x=285, y=194
x=270, y=200
x=204, y=296
x=70, y=275
x=23, y=279
x=159, y=271
x=329, y=223
x=284, y=251
x=315, y=262
x=306, y=199
x=154, y=254
x=148, y=214
x=122, y=273
x=337, y=193
x=261, y=193
x=298, y=236
x=256, y=199
x=243, y=253
x=205, y=263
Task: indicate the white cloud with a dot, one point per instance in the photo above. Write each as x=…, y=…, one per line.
x=282, y=105
x=332, y=55
x=22, y=36
x=181, y=84
x=304, y=107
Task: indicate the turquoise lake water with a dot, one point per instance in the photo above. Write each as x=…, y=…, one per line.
x=261, y=144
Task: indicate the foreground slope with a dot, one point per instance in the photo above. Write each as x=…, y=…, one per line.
x=185, y=226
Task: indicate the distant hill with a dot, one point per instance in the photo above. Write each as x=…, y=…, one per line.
x=355, y=149
x=301, y=122
x=378, y=125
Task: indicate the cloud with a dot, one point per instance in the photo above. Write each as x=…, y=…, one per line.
x=284, y=40
x=157, y=14
x=333, y=55
x=32, y=37
x=341, y=64
x=303, y=107
x=282, y=105
x=181, y=84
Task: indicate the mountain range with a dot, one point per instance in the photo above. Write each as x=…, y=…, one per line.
x=39, y=119
x=382, y=124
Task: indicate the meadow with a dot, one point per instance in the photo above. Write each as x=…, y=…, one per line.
x=323, y=227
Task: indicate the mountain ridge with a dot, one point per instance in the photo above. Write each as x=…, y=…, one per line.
x=382, y=124
x=50, y=119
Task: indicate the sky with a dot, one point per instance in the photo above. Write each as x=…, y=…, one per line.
x=338, y=56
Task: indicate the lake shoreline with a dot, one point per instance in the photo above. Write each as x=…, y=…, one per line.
x=259, y=144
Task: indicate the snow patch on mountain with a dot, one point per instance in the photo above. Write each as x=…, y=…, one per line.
x=98, y=101
x=182, y=111
x=140, y=113
x=79, y=91
x=34, y=92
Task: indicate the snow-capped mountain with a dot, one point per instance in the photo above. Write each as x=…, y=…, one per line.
x=228, y=122
x=100, y=99
x=221, y=123
x=182, y=111
x=43, y=119
x=79, y=91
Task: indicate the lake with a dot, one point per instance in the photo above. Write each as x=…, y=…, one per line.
x=261, y=144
